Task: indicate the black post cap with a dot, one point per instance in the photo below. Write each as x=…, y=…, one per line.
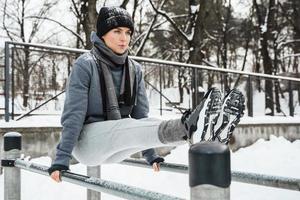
x=209, y=163
x=12, y=140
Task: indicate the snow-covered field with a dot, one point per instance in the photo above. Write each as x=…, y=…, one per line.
x=275, y=157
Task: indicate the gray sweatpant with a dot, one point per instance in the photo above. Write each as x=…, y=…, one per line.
x=115, y=140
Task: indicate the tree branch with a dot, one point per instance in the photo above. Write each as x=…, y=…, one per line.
x=172, y=22
x=76, y=9
x=63, y=26
x=124, y=4
x=140, y=48
x=3, y=22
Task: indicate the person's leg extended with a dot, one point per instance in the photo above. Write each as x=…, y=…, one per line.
x=101, y=140
x=115, y=139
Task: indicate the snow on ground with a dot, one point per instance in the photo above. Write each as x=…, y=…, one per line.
x=275, y=157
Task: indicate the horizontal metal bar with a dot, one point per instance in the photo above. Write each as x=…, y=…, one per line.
x=50, y=51
x=42, y=46
x=164, y=62
x=96, y=184
x=173, y=63
x=267, y=180
x=251, y=178
x=169, y=167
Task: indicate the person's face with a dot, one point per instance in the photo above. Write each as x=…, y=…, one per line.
x=118, y=39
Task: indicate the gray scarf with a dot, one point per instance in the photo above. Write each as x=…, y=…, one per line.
x=106, y=58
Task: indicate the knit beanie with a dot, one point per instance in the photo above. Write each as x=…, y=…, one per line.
x=113, y=17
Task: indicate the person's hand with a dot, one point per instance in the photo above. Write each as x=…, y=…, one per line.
x=156, y=164
x=55, y=172
x=156, y=167
x=56, y=176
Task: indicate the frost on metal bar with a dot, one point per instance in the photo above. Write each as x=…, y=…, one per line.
x=177, y=168
x=251, y=178
x=267, y=180
x=116, y=189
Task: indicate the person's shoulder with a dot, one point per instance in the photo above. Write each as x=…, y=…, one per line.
x=84, y=58
x=84, y=62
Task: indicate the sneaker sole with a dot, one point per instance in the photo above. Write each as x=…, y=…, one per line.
x=229, y=117
x=210, y=107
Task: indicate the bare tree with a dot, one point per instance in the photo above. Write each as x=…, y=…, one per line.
x=86, y=14
x=14, y=20
x=265, y=26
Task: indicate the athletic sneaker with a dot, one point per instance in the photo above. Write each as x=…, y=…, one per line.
x=225, y=122
x=197, y=122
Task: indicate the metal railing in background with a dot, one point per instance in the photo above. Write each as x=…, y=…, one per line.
x=155, y=71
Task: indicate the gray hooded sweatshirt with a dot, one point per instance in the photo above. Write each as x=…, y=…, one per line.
x=83, y=102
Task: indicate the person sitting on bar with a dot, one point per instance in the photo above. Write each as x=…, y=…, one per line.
x=105, y=116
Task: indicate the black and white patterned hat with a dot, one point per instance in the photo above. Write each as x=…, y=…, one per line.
x=113, y=17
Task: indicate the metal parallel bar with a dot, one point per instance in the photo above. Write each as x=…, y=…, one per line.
x=163, y=62
x=267, y=180
x=244, y=177
x=169, y=167
x=96, y=184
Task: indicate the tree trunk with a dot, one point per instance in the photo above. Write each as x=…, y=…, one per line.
x=267, y=62
x=53, y=78
x=196, y=45
x=296, y=19
x=26, y=77
x=89, y=13
x=278, y=107
x=180, y=85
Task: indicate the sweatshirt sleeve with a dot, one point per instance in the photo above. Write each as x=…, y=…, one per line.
x=74, y=112
x=150, y=156
x=141, y=110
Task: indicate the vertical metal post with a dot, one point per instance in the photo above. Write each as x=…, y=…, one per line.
x=250, y=97
x=12, y=85
x=160, y=89
x=194, y=87
x=291, y=99
x=209, y=171
x=7, y=80
x=12, y=175
x=94, y=172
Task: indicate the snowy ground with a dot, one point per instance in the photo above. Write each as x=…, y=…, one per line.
x=275, y=157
